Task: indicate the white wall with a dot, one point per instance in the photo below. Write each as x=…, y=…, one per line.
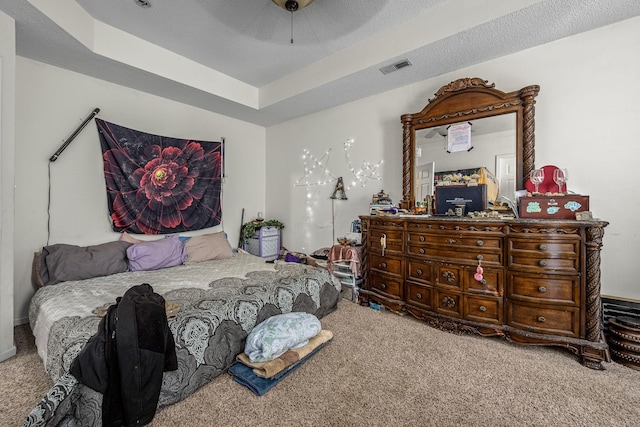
x=7, y=142
x=51, y=103
x=586, y=120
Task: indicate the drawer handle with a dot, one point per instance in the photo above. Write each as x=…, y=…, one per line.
x=482, y=308
x=542, y=289
x=448, y=302
x=543, y=247
x=383, y=265
x=451, y=241
x=383, y=285
x=421, y=251
x=479, y=257
x=483, y=281
x=541, y=319
x=449, y=276
x=480, y=243
x=421, y=238
x=543, y=263
x=419, y=295
x=419, y=272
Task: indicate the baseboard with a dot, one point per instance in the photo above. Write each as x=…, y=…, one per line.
x=8, y=353
x=20, y=321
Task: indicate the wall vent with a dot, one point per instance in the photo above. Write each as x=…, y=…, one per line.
x=395, y=66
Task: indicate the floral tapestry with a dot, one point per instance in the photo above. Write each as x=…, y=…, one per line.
x=158, y=185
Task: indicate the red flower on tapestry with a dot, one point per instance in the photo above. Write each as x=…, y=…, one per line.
x=159, y=185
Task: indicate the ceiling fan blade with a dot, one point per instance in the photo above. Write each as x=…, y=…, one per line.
x=439, y=131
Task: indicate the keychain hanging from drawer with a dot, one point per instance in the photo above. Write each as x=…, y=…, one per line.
x=383, y=243
x=479, y=270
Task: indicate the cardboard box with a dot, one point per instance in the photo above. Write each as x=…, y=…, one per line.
x=448, y=196
x=559, y=207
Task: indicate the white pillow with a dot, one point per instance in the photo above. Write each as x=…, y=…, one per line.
x=273, y=337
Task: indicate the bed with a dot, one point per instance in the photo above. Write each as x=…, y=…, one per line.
x=218, y=303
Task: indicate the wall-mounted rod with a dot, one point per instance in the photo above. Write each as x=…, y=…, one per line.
x=73, y=135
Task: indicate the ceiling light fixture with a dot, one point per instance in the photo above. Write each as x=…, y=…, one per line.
x=292, y=6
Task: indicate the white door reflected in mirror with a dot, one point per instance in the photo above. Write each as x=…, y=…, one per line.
x=424, y=181
x=506, y=175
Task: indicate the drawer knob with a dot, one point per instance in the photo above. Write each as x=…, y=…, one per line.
x=542, y=289
x=383, y=265
x=480, y=243
x=419, y=272
x=449, y=276
x=479, y=257
x=421, y=238
x=419, y=295
x=383, y=285
x=448, y=302
x=543, y=263
x=541, y=319
x=543, y=247
x=421, y=251
x=482, y=308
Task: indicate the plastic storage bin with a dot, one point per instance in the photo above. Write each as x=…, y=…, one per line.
x=265, y=243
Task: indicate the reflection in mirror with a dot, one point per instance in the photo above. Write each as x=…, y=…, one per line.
x=493, y=142
x=465, y=100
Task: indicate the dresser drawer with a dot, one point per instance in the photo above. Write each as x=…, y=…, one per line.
x=456, y=241
x=450, y=276
x=448, y=303
x=386, y=285
x=544, y=289
x=419, y=270
x=419, y=295
x=549, y=255
x=483, y=309
x=563, y=321
x=393, y=237
x=491, y=282
x=386, y=264
x=456, y=254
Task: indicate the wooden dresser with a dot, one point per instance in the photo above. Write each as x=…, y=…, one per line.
x=540, y=281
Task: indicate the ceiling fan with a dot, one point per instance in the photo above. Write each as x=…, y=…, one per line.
x=442, y=131
x=292, y=6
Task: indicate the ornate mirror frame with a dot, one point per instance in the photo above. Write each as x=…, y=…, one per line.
x=468, y=99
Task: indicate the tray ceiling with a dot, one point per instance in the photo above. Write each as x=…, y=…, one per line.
x=235, y=57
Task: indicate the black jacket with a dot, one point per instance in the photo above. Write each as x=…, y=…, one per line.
x=126, y=358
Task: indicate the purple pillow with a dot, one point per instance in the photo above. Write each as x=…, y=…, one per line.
x=156, y=254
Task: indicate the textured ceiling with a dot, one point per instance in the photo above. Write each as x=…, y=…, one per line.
x=234, y=57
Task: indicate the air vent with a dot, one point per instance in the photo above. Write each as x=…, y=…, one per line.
x=396, y=66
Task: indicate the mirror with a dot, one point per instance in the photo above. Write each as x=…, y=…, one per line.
x=493, y=144
x=502, y=136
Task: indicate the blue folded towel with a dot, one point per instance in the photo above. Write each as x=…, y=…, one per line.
x=243, y=374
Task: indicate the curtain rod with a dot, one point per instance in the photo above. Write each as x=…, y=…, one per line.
x=73, y=135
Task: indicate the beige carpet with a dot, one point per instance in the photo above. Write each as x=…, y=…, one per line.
x=382, y=369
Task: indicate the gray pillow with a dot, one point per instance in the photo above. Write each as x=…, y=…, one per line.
x=62, y=262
